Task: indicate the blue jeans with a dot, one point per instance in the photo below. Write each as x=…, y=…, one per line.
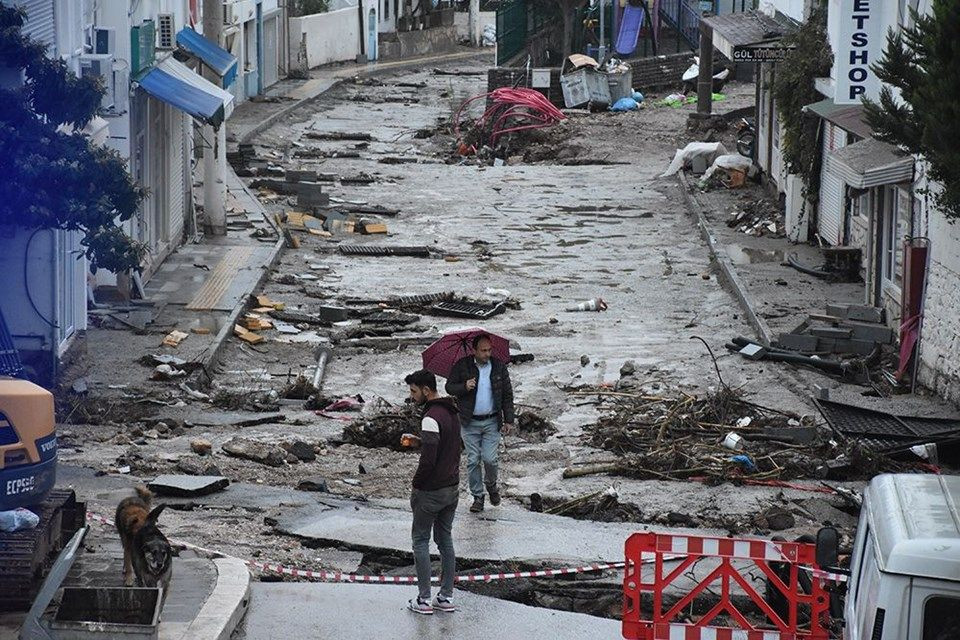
x=480, y=439
x=434, y=510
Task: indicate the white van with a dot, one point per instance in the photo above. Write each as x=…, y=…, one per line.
x=905, y=570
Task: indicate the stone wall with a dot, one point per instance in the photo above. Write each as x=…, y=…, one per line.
x=940, y=342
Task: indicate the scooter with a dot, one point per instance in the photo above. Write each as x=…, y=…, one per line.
x=746, y=138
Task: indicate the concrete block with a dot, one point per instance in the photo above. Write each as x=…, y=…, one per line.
x=831, y=332
x=826, y=344
x=797, y=341
x=333, y=314
x=297, y=175
x=859, y=347
x=871, y=332
x=310, y=195
x=857, y=312
x=865, y=314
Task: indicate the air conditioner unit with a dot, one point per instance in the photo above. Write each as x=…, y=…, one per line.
x=165, y=31
x=100, y=65
x=104, y=40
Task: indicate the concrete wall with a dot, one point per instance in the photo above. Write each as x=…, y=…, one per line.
x=410, y=44
x=940, y=346
x=324, y=38
x=461, y=20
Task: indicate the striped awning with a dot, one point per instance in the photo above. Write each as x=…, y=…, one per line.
x=870, y=163
x=179, y=86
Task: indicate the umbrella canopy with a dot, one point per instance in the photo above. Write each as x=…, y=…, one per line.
x=440, y=357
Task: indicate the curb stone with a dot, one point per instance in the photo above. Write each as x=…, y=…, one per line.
x=223, y=610
x=727, y=269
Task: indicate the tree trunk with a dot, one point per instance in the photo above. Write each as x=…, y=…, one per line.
x=568, y=12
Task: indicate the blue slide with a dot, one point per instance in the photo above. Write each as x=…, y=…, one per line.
x=630, y=25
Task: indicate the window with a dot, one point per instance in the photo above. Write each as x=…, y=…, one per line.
x=386, y=9
x=897, y=217
x=941, y=618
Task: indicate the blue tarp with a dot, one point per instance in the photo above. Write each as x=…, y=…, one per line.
x=223, y=63
x=186, y=97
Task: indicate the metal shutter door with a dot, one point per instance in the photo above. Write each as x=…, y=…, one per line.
x=831, y=190
x=176, y=174
x=40, y=23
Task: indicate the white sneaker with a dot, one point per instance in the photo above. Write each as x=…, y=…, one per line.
x=419, y=606
x=443, y=604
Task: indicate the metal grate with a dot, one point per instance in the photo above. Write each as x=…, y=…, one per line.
x=467, y=309
x=415, y=251
x=883, y=431
x=427, y=298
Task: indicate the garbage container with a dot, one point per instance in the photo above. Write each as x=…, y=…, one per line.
x=621, y=84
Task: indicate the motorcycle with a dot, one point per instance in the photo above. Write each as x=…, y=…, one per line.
x=746, y=138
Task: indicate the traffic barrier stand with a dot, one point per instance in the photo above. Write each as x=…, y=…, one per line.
x=780, y=562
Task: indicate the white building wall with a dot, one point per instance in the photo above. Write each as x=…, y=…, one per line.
x=323, y=38
x=44, y=281
x=940, y=341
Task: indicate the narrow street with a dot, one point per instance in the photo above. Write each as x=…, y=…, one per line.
x=584, y=216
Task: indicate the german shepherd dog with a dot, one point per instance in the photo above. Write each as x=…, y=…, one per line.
x=146, y=551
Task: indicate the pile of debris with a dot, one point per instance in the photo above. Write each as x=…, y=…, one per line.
x=533, y=427
x=758, y=218
x=382, y=425
x=847, y=342
x=720, y=437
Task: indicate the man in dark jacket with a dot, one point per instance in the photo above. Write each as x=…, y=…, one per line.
x=436, y=486
x=484, y=394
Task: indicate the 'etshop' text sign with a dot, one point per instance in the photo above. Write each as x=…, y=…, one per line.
x=860, y=46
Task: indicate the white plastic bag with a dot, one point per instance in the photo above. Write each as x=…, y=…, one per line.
x=729, y=161
x=710, y=150
x=17, y=519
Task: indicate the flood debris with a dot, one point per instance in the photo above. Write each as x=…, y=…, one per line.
x=187, y=486
x=533, y=427
x=383, y=425
x=267, y=454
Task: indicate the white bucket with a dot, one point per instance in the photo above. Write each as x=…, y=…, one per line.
x=733, y=441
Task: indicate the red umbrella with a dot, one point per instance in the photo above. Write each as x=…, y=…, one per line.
x=440, y=357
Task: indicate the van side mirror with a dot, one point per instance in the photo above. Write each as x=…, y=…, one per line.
x=828, y=547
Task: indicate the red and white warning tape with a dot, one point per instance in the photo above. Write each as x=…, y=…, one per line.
x=762, y=552
x=339, y=576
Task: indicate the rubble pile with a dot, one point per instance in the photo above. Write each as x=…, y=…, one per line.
x=533, y=427
x=718, y=436
x=758, y=218
x=383, y=425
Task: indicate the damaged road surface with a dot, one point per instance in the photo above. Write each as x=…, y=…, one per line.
x=596, y=274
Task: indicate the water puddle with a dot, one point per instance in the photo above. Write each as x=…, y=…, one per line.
x=752, y=255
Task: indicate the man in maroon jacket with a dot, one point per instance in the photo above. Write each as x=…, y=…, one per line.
x=435, y=491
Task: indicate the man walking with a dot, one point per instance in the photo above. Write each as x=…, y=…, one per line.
x=484, y=394
x=435, y=491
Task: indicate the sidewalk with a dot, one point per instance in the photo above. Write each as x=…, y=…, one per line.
x=200, y=290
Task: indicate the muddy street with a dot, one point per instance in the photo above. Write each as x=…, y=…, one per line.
x=575, y=213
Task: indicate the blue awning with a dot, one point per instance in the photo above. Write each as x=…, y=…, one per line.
x=223, y=63
x=177, y=85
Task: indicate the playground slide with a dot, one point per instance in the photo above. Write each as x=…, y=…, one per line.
x=630, y=25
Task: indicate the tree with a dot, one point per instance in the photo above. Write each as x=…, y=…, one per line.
x=923, y=64
x=52, y=177
x=568, y=11
x=794, y=89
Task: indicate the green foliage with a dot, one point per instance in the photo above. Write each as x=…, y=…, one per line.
x=794, y=89
x=54, y=179
x=310, y=7
x=923, y=63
